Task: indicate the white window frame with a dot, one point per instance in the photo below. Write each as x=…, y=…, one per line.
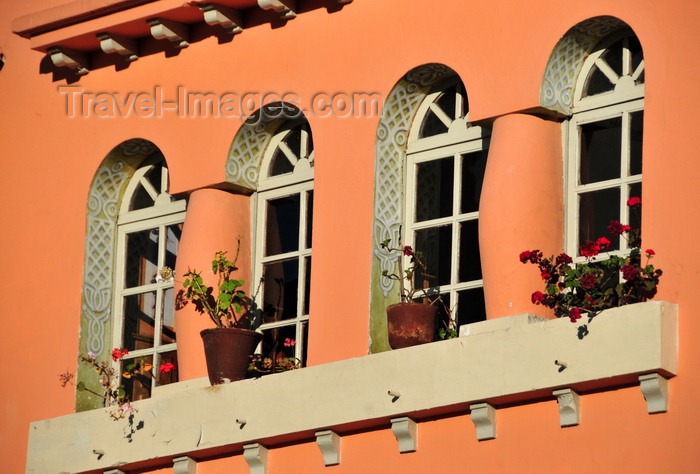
x=625, y=99
x=299, y=182
x=165, y=212
x=460, y=139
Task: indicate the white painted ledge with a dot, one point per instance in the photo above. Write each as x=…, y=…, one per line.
x=501, y=361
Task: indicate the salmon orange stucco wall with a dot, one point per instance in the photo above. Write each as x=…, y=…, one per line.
x=499, y=49
x=521, y=209
x=216, y=221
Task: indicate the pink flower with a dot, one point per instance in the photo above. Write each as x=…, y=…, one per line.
x=633, y=201
x=650, y=252
x=289, y=342
x=165, y=368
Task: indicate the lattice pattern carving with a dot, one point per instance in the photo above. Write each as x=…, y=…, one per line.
x=564, y=64
x=103, y=207
x=392, y=135
x=247, y=149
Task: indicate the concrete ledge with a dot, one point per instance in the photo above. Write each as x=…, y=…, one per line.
x=511, y=364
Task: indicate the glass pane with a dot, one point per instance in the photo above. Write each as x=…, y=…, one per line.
x=600, y=150
x=280, y=164
x=636, y=129
x=443, y=316
x=434, y=189
x=473, y=167
x=309, y=217
x=166, y=378
x=141, y=199
x=469, y=258
x=280, y=288
x=282, y=225
x=141, y=257
x=138, y=382
x=307, y=285
x=172, y=243
x=597, y=83
x=168, y=318
x=637, y=56
x=139, y=319
x=635, y=214
x=613, y=56
x=471, y=307
x=436, y=245
x=279, y=343
x=596, y=210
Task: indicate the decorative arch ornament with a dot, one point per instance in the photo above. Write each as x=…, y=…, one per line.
x=104, y=198
x=567, y=58
x=395, y=123
x=249, y=145
x=390, y=154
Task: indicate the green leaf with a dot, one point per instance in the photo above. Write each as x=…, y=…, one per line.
x=80, y=385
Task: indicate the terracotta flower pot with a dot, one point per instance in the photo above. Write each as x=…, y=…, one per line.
x=228, y=351
x=410, y=324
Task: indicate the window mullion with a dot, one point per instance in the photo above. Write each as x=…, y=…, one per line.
x=456, y=208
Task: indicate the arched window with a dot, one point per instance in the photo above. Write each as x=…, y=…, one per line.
x=283, y=245
x=446, y=159
x=149, y=225
x=604, y=164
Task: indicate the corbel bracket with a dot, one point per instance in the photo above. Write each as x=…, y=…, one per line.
x=569, y=407
x=406, y=432
x=111, y=43
x=174, y=32
x=286, y=9
x=655, y=390
x=74, y=60
x=255, y=455
x=228, y=18
x=484, y=418
x=329, y=443
x=184, y=465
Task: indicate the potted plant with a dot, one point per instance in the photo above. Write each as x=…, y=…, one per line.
x=229, y=345
x=596, y=283
x=409, y=322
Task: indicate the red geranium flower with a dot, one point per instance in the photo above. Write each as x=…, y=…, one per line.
x=591, y=249
x=165, y=368
x=603, y=243
x=537, y=297
x=618, y=228
x=118, y=353
x=629, y=272
x=408, y=250
x=650, y=252
x=633, y=201
x=574, y=314
x=588, y=281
